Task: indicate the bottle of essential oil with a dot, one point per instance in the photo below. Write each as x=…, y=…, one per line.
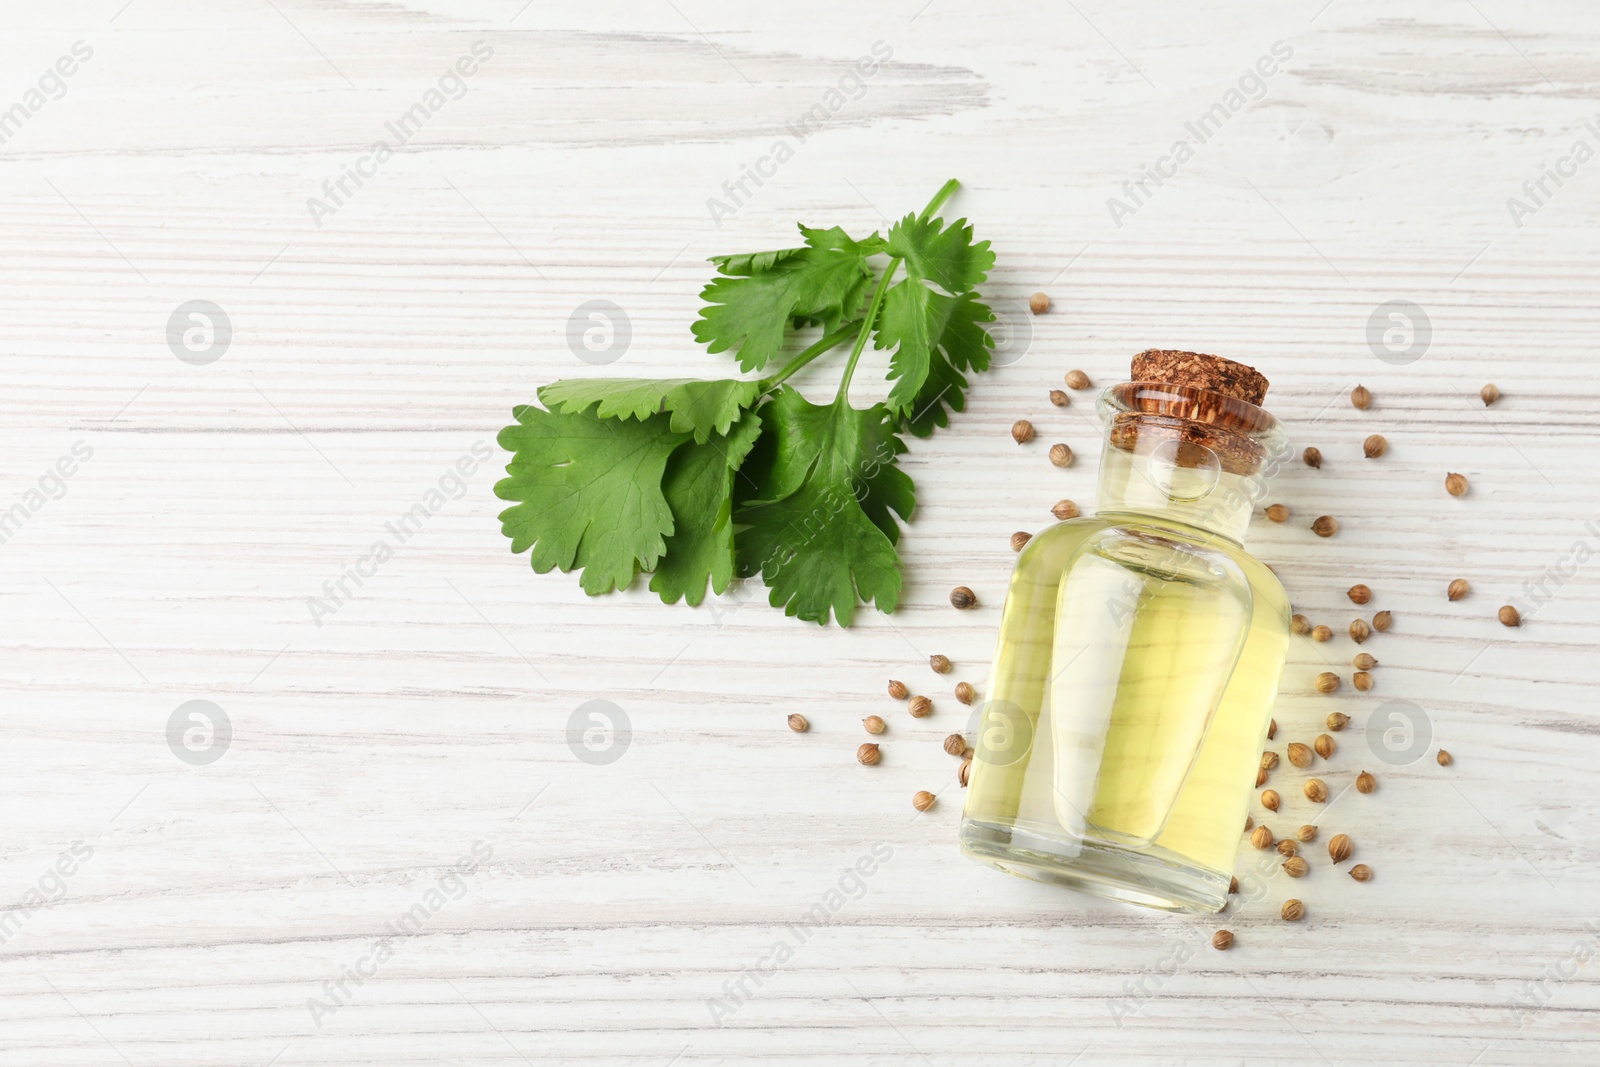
x=1139, y=654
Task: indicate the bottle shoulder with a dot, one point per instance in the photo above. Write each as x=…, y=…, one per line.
x=1056, y=544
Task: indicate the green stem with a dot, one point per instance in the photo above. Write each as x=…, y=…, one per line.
x=939, y=198
x=828, y=341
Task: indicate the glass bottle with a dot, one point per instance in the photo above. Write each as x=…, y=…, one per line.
x=1139, y=654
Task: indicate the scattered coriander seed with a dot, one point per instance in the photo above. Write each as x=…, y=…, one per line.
x=1288, y=847
x=1363, y=662
x=1325, y=526
x=962, y=598
x=1307, y=833
x=799, y=723
x=1361, y=397
x=1272, y=729
x=965, y=773
x=1458, y=589
x=1312, y=457
x=1270, y=799
x=1455, y=484
x=956, y=745
x=1060, y=455
x=965, y=693
x=1339, y=848
x=898, y=690
x=1022, y=431
x=923, y=800
x=1316, y=790
x=920, y=707
x=1510, y=616
x=1324, y=746
x=1076, y=379
x=1489, y=394
x=1233, y=885
x=1296, y=866
x=1362, y=680
x=1299, y=755
x=1360, y=630
x=1059, y=398
x=1365, y=782
x=1382, y=621
x=1293, y=910
x=1300, y=624
x=1261, y=837
x=1261, y=777
x=1374, y=446
x=874, y=724
x=1359, y=594
x=1020, y=538
x=1064, y=510
x=1222, y=940
x=1327, y=682
x=1361, y=872
x=1269, y=760
x=1321, y=633
x=1278, y=513
x=1039, y=303
x=1337, y=721
x=940, y=664
x=1444, y=758
x=1249, y=824
x=867, y=754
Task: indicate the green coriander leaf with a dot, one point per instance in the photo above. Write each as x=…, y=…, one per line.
x=823, y=529
x=943, y=255
x=750, y=310
x=700, y=407
x=588, y=492
x=963, y=345
x=699, y=488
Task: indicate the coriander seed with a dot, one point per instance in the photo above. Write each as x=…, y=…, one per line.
x=898, y=690
x=1325, y=526
x=1020, y=538
x=1382, y=621
x=1270, y=799
x=1261, y=837
x=962, y=598
x=1375, y=446
x=1064, y=510
x=1312, y=457
x=1363, y=662
x=1039, y=303
x=1293, y=910
x=1300, y=624
x=1022, y=431
x=1510, y=616
x=1269, y=760
x=1458, y=589
x=1222, y=940
x=965, y=693
x=1307, y=833
x=1455, y=484
x=874, y=724
x=1337, y=721
x=1272, y=729
x=1059, y=398
x=1444, y=758
x=922, y=800
x=1296, y=866
x=1365, y=782
x=1489, y=394
x=1249, y=824
x=1299, y=755
x=1360, y=630
x=1362, y=680
x=920, y=707
x=1339, y=848
x=940, y=664
x=1321, y=633
x=1359, y=594
x=1060, y=455
x=1327, y=682
x=867, y=754
x=1278, y=513
x=1316, y=790
x=1233, y=885
x=1288, y=847
x=1324, y=746
x=965, y=773
x=956, y=745
x=799, y=723
x=1261, y=777
x=1361, y=872
x=1076, y=379
x=1361, y=397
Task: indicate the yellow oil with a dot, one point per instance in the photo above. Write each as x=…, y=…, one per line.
x=1133, y=681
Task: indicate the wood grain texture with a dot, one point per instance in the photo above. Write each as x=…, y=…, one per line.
x=371, y=352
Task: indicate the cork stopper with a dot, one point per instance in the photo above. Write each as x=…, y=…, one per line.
x=1201, y=371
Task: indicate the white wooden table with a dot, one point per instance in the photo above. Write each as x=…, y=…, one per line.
x=612, y=907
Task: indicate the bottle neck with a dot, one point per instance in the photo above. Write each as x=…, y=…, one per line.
x=1146, y=482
